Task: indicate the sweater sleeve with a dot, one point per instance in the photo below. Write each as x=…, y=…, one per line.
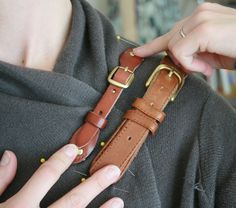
x=217, y=148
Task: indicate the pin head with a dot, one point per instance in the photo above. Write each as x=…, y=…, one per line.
x=118, y=37
x=131, y=53
x=42, y=160
x=102, y=144
x=80, y=151
x=82, y=180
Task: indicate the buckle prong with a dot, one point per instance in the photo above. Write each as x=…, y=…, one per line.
x=118, y=84
x=170, y=74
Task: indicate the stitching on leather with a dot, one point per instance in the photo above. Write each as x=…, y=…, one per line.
x=140, y=123
x=98, y=156
x=143, y=115
x=139, y=141
x=131, y=156
x=138, y=106
x=113, y=142
x=108, y=143
x=110, y=147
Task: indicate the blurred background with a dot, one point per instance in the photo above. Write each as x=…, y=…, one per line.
x=143, y=20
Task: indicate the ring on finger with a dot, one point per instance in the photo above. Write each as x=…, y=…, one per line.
x=182, y=33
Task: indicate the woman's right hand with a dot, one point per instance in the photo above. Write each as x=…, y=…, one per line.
x=46, y=176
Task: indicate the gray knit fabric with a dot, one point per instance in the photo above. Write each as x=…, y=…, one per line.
x=191, y=162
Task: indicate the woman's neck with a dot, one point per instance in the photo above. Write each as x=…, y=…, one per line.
x=32, y=33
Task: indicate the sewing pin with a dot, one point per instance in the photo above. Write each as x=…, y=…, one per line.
x=118, y=37
x=83, y=174
x=82, y=180
x=131, y=173
x=121, y=190
x=42, y=160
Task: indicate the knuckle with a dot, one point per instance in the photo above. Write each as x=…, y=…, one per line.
x=55, y=166
x=13, y=203
x=176, y=52
x=50, y=170
x=170, y=46
x=205, y=29
x=203, y=16
x=60, y=160
x=75, y=200
x=100, y=182
x=177, y=25
x=18, y=206
x=204, y=6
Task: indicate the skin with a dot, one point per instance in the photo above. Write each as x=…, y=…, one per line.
x=47, y=175
x=208, y=44
x=34, y=38
x=32, y=33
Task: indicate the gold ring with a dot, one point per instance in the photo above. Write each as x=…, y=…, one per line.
x=182, y=33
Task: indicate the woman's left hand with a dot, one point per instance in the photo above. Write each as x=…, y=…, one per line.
x=8, y=165
x=201, y=42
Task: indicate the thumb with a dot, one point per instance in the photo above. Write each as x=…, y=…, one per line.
x=8, y=165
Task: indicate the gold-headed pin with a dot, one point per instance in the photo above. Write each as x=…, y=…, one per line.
x=118, y=37
x=102, y=144
x=42, y=160
x=82, y=180
x=80, y=151
x=131, y=53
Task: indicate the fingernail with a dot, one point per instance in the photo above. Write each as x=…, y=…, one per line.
x=71, y=150
x=5, y=159
x=117, y=203
x=136, y=50
x=112, y=173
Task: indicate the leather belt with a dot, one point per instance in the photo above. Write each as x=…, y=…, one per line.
x=144, y=118
x=121, y=77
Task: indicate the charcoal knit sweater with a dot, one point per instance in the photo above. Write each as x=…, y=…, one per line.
x=191, y=162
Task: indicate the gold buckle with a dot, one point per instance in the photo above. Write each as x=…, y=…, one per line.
x=118, y=84
x=171, y=72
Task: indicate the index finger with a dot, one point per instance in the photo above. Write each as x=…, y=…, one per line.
x=159, y=44
x=83, y=194
x=155, y=46
x=46, y=176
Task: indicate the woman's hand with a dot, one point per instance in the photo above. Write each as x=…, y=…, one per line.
x=8, y=165
x=46, y=176
x=200, y=42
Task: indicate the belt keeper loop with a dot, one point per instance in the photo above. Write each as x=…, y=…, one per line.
x=96, y=120
x=148, y=109
x=142, y=119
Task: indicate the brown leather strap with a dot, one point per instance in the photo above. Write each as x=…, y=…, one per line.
x=145, y=117
x=121, y=77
